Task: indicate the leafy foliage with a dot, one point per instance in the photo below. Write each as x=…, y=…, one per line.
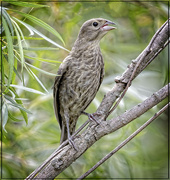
x=31, y=54
x=13, y=53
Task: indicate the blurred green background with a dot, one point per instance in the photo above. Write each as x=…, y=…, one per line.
x=26, y=146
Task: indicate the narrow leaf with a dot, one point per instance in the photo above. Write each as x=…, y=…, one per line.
x=39, y=48
x=24, y=114
x=25, y=24
x=20, y=107
x=2, y=70
x=12, y=93
x=13, y=103
x=16, y=72
x=4, y=116
x=13, y=118
x=48, y=39
x=41, y=59
x=20, y=46
x=14, y=69
x=41, y=84
x=8, y=20
x=20, y=31
x=29, y=27
x=27, y=89
x=42, y=24
x=45, y=72
x=25, y=68
x=10, y=51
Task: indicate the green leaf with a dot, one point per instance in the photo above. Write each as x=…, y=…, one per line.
x=42, y=24
x=10, y=51
x=31, y=29
x=27, y=89
x=26, y=25
x=12, y=93
x=8, y=20
x=4, y=116
x=20, y=107
x=41, y=84
x=20, y=31
x=13, y=103
x=24, y=114
x=41, y=59
x=27, y=4
x=2, y=71
x=25, y=68
x=45, y=72
x=39, y=48
x=25, y=37
x=16, y=72
x=20, y=46
x=13, y=118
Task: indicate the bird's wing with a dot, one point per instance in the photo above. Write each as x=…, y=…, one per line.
x=61, y=71
x=101, y=79
x=101, y=76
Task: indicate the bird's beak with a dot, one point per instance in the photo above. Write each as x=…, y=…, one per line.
x=105, y=27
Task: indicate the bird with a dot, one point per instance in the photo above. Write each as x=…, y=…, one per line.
x=79, y=76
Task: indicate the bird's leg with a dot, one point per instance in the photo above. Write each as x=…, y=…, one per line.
x=68, y=133
x=91, y=117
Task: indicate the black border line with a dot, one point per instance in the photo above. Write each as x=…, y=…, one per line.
x=168, y=96
x=1, y=91
x=60, y=1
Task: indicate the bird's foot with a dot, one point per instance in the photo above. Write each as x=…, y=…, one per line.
x=72, y=143
x=91, y=117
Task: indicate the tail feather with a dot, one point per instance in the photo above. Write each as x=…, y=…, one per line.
x=64, y=135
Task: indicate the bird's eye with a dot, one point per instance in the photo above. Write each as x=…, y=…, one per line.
x=95, y=24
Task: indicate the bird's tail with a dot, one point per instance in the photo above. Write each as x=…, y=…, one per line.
x=63, y=134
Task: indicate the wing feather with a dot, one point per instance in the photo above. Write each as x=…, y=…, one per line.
x=58, y=78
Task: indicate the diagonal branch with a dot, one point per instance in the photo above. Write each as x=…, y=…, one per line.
x=94, y=132
x=124, y=142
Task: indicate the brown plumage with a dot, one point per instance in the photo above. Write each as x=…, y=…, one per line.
x=79, y=76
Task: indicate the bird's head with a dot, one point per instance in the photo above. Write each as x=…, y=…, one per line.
x=95, y=29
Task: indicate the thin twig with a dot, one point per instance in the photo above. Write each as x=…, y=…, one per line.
x=124, y=142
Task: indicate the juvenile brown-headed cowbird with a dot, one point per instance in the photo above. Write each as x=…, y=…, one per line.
x=79, y=76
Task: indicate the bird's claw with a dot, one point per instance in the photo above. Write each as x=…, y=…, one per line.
x=72, y=143
x=91, y=117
